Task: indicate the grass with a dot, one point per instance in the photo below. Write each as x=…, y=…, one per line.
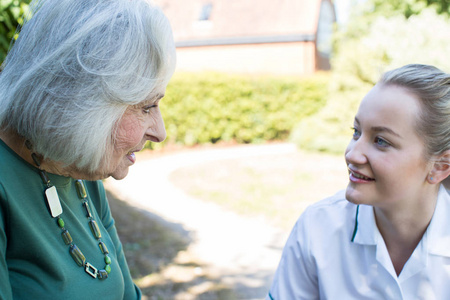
x=276, y=187
x=159, y=259
x=148, y=243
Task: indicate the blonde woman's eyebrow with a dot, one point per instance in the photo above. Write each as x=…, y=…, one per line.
x=385, y=129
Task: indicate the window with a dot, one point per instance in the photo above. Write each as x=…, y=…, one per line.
x=205, y=13
x=325, y=29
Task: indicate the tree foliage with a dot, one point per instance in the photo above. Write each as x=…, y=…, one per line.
x=381, y=35
x=408, y=8
x=11, y=12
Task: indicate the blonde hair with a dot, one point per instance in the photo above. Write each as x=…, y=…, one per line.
x=75, y=68
x=432, y=87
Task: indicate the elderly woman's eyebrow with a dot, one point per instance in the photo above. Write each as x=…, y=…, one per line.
x=153, y=98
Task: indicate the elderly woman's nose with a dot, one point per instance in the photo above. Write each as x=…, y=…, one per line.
x=157, y=131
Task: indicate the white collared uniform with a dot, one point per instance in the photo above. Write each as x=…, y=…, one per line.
x=334, y=252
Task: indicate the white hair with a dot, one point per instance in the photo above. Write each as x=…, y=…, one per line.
x=75, y=68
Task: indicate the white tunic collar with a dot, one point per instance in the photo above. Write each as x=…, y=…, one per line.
x=435, y=241
x=438, y=234
x=367, y=233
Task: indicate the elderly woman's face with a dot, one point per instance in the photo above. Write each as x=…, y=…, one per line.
x=140, y=123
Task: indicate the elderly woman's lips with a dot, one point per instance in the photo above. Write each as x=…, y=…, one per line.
x=131, y=157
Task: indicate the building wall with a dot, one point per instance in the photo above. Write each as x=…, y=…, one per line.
x=276, y=58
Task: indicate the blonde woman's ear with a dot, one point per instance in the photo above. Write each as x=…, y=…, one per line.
x=441, y=170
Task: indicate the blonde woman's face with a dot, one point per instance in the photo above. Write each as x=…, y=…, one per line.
x=386, y=157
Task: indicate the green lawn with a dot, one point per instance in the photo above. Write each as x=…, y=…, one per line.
x=275, y=187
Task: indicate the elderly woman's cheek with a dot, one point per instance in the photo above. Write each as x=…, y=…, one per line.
x=130, y=133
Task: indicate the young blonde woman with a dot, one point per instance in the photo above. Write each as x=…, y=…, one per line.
x=387, y=236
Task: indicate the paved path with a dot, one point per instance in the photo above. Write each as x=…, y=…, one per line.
x=244, y=252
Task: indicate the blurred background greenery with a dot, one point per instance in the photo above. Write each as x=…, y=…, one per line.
x=11, y=12
x=316, y=111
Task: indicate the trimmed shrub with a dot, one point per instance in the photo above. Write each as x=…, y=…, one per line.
x=202, y=108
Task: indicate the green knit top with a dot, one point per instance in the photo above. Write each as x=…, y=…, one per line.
x=34, y=260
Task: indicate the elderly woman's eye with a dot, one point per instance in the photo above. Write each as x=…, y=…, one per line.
x=147, y=109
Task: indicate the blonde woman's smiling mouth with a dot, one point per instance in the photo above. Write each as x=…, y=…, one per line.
x=358, y=177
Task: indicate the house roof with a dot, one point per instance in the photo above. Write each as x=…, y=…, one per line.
x=234, y=20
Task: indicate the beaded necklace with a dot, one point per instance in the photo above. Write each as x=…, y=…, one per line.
x=54, y=206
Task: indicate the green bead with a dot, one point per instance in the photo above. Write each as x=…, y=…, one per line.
x=107, y=260
x=95, y=230
x=108, y=268
x=103, y=248
x=80, y=189
x=77, y=255
x=61, y=222
x=66, y=237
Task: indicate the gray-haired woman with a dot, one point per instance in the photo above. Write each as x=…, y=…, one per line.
x=79, y=95
x=387, y=236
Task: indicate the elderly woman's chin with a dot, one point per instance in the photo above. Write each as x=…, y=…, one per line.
x=120, y=172
x=117, y=170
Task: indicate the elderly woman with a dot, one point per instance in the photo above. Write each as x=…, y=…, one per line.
x=79, y=95
x=387, y=236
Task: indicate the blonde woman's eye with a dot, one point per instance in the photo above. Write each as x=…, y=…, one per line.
x=356, y=133
x=381, y=142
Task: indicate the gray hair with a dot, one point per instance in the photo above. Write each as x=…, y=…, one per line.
x=432, y=87
x=75, y=68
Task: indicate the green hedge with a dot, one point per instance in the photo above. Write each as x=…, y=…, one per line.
x=201, y=108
